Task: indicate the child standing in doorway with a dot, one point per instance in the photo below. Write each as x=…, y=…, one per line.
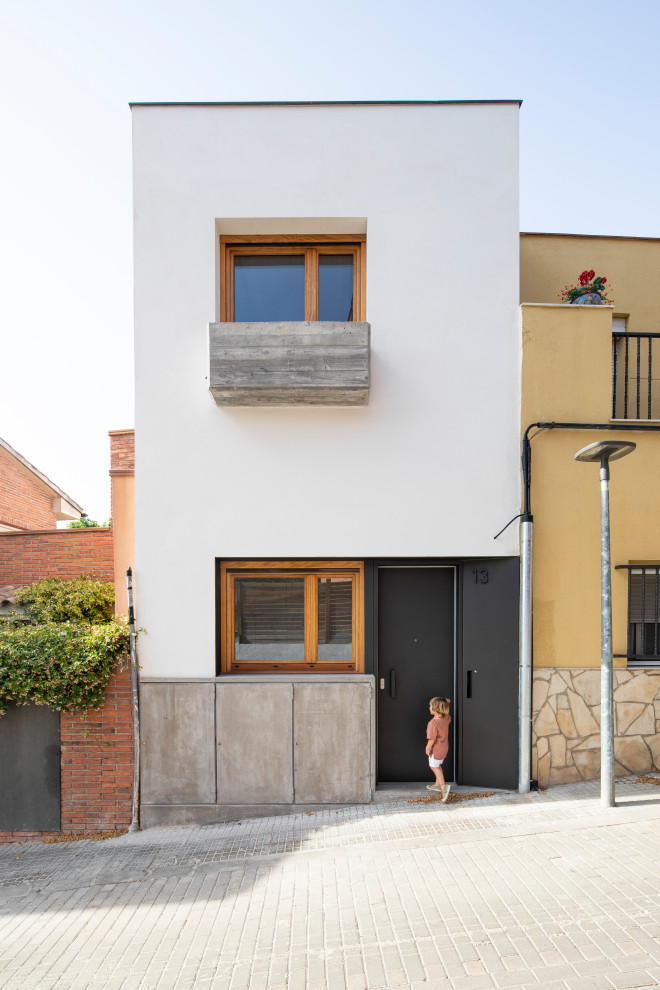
x=437, y=745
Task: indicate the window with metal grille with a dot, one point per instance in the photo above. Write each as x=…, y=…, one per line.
x=643, y=614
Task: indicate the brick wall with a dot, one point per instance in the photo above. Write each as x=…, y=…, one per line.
x=23, y=503
x=97, y=750
x=96, y=768
x=65, y=553
x=122, y=450
x=97, y=762
x=24, y=836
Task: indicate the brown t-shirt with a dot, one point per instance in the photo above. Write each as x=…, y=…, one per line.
x=438, y=730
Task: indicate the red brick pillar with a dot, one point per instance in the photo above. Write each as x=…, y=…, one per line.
x=97, y=762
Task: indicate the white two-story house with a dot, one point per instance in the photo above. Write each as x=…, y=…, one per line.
x=328, y=400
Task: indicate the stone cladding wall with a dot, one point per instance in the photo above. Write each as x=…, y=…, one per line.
x=566, y=723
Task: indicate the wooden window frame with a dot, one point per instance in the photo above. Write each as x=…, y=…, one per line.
x=233, y=245
x=311, y=571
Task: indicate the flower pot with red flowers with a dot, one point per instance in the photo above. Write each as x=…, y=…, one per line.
x=590, y=292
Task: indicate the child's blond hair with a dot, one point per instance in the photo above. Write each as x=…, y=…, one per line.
x=440, y=706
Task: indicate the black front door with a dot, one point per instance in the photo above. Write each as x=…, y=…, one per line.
x=488, y=698
x=416, y=615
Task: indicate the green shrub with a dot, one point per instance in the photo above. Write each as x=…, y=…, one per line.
x=62, y=665
x=83, y=599
x=86, y=523
x=66, y=647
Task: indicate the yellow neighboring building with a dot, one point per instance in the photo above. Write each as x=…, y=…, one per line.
x=592, y=365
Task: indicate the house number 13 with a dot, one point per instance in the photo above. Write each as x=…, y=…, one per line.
x=480, y=575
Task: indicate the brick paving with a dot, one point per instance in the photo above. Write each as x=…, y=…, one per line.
x=547, y=891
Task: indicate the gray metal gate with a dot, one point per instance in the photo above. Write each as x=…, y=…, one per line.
x=29, y=769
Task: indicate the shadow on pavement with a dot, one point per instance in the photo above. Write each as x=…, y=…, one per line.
x=235, y=855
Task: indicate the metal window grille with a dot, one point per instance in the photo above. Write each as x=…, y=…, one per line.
x=635, y=382
x=643, y=614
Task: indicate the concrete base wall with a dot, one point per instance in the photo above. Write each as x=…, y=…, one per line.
x=218, y=749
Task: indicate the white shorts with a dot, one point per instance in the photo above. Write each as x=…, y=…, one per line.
x=435, y=763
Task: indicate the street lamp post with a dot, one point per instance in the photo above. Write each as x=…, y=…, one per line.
x=604, y=452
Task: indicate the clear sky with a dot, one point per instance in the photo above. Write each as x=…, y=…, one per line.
x=588, y=75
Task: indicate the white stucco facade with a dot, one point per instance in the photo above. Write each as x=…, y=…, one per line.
x=430, y=467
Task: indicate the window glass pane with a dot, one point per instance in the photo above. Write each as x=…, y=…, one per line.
x=269, y=288
x=269, y=619
x=335, y=618
x=644, y=611
x=336, y=287
x=645, y=639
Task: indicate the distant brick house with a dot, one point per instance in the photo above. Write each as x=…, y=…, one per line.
x=28, y=499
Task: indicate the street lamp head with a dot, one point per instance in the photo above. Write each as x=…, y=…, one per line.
x=604, y=450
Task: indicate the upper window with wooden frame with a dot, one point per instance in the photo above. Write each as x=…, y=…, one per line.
x=292, y=616
x=291, y=278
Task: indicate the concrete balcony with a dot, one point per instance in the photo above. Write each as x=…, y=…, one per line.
x=289, y=364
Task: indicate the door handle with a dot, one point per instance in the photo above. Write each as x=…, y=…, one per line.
x=392, y=683
x=468, y=686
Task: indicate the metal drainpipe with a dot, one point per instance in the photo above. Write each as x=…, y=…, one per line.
x=135, y=824
x=525, y=687
x=526, y=561
x=525, y=682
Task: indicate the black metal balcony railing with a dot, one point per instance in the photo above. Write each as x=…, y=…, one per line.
x=635, y=390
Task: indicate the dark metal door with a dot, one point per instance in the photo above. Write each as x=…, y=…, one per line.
x=415, y=662
x=29, y=768
x=489, y=673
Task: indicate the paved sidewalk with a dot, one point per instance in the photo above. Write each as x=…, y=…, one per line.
x=548, y=891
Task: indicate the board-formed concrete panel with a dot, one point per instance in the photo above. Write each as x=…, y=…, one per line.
x=178, y=743
x=254, y=727
x=289, y=364
x=332, y=742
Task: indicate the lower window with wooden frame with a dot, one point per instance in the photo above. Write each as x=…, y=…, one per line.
x=291, y=616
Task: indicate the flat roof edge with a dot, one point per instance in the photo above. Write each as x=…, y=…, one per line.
x=593, y=237
x=330, y=103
